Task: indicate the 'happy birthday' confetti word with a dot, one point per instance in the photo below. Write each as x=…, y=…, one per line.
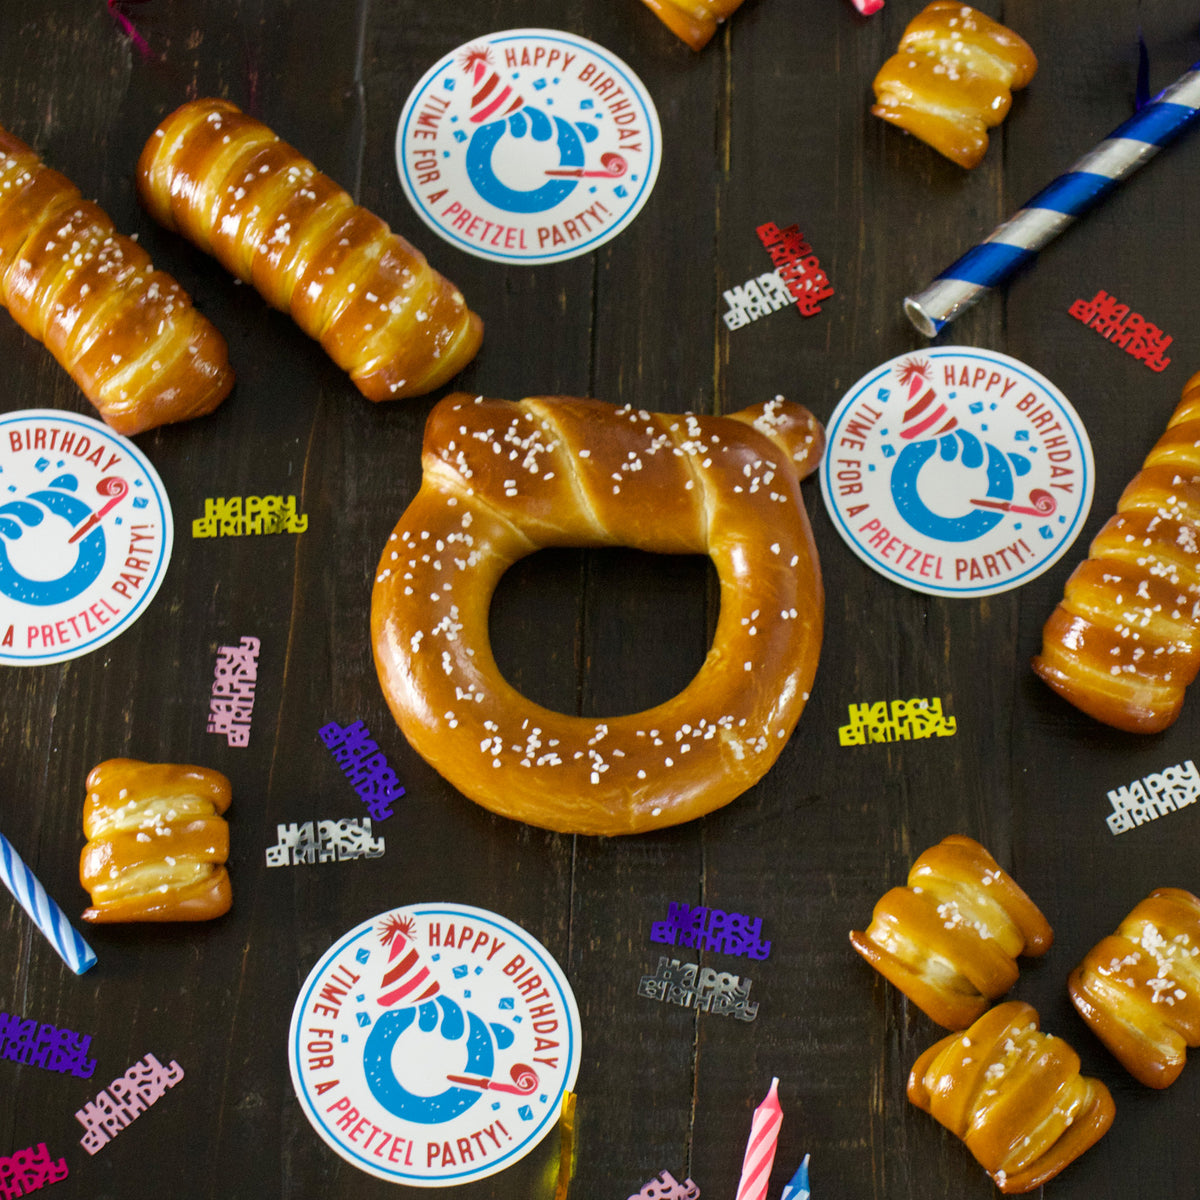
x=666, y=1187
x=905, y=720
x=1149, y=798
x=766, y=293
x=797, y=266
x=332, y=841
x=235, y=516
x=711, y=929
x=45, y=1046
x=124, y=1100
x=232, y=702
x=28, y=1171
x=1129, y=330
x=364, y=765
x=693, y=986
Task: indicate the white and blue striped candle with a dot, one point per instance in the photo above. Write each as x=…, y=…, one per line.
x=1016, y=242
x=46, y=915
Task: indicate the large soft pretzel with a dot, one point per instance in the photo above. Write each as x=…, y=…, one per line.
x=693, y=21
x=504, y=479
x=1139, y=989
x=126, y=333
x=950, y=939
x=381, y=312
x=1124, y=642
x=1014, y=1095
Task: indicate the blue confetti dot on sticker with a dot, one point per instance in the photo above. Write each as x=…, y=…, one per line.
x=363, y=955
x=448, y=83
x=364, y=1019
x=495, y=1105
x=1046, y=532
x=459, y=136
x=435, y=957
x=42, y=464
x=478, y=970
x=506, y=1002
x=361, y=997
x=888, y=451
x=976, y=407
x=460, y=970
x=140, y=502
x=525, y=1112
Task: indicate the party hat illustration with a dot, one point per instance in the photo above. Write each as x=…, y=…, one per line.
x=926, y=414
x=491, y=98
x=407, y=980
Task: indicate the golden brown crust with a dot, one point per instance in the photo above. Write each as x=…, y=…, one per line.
x=1139, y=989
x=693, y=21
x=157, y=842
x=949, y=939
x=1124, y=643
x=230, y=186
x=126, y=333
x=504, y=479
x=952, y=79
x=1013, y=1095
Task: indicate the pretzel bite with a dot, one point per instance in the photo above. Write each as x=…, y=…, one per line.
x=950, y=939
x=230, y=186
x=1124, y=642
x=502, y=480
x=1014, y=1096
x=1139, y=989
x=693, y=21
x=126, y=333
x=952, y=79
x=157, y=843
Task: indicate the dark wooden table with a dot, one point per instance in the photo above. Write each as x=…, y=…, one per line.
x=769, y=123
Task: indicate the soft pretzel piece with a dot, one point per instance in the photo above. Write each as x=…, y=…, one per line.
x=126, y=333
x=1013, y=1095
x=950, y=939
x=157, y=842
x=952, y=79
x=1124, y=643
x=1139, y=989
x=502, y=480
x=693, y=21
x=381, y=312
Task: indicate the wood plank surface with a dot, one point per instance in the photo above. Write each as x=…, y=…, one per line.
x=769, y=123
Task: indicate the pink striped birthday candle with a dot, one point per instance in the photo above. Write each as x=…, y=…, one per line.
x=760, y=1149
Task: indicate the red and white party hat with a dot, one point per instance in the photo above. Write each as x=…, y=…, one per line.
x=407, y=980
x=491, y=98
x=925, y=414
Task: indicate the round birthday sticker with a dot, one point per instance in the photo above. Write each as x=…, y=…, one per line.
x=957, y=471
x=85, y=536
x=433, y=1045
x=528, y=146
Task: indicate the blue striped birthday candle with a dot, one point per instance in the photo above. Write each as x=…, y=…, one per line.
x=46, y=915
x=1018, y=240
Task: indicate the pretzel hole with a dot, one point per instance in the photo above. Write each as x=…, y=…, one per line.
x=603, y=632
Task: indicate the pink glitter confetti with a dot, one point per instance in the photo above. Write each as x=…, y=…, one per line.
x=114, y=9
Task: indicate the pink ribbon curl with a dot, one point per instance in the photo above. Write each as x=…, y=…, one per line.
x=114, y=9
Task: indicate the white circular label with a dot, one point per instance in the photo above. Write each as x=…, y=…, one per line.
x=85, y=536
x=957, y=471
x=528, y=146
x=433, y=1044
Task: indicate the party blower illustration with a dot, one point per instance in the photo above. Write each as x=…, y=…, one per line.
x=406, y=1052
x=69, y=553
x=555, y=159
x=927, y=430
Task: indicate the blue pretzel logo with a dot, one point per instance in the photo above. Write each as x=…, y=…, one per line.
x=62, y=504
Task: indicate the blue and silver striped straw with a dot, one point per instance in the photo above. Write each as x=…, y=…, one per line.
x=1018, y=240
x=47, y=916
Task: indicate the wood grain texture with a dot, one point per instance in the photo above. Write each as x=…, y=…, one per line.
x=769, y=123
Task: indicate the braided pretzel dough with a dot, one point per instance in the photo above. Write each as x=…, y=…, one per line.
x=1014, y=1096
x=952, y=78
x=126, y=333
x=157, y=842
x=228, y=184
x=950, y=939
x=502, y=480
x=1139, y=989
x=693, y=21
x=1124, y=643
